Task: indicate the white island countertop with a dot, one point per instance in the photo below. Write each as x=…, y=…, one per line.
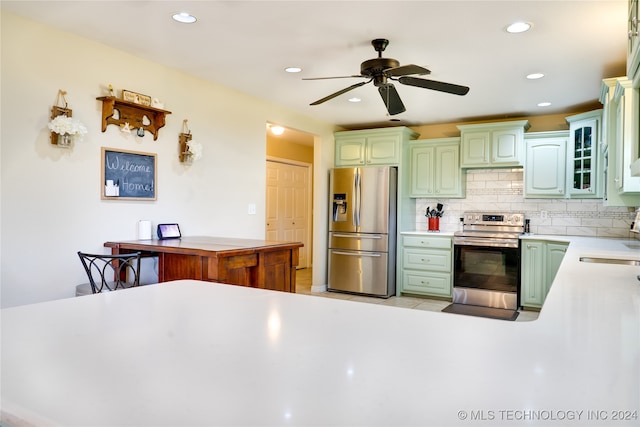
x=191, y=353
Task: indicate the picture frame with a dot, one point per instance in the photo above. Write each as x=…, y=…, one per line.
x=128, y=175
x=136, y=98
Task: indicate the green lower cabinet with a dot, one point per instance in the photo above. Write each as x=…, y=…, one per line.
x=427, y=265
x=426, y=283
x=540, y=261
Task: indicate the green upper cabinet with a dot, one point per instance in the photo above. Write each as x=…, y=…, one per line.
x=544, y=169
x=619, y=136
x=350, y=150
x=633, y=73
x=435, y=168
x=371, y=147
x=583, y=168
x=492, y=144
x=633, y=56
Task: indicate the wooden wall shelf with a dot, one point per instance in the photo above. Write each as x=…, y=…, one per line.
x=132, y=113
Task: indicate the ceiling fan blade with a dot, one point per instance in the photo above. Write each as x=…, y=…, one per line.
x=391, y=99
x=404, y=70
x=434, y=85
x=337, y=77
x=338, y=93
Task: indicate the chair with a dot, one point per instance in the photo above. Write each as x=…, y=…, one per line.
x=109, y=272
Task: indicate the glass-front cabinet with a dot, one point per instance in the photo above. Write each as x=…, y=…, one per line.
x=582, y=155
x=632, y=38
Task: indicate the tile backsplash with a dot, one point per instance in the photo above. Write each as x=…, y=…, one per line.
x=501, y=190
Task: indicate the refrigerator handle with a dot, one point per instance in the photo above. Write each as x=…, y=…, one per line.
x=358, y=254
x=356, y=198
x=359, y=236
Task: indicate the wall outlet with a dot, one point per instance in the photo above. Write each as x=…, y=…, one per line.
x=251, y=210
x=544, y=215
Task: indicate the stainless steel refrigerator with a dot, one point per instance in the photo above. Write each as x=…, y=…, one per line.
x=362, y=230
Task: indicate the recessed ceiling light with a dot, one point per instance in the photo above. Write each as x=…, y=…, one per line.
x=544, y=104
x=293, y=69
x=354, y=99
x=535, y=76
x=277, y=130
x=519, y=27
x=184, y=17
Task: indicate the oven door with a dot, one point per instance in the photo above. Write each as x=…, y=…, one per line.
x=486, y=267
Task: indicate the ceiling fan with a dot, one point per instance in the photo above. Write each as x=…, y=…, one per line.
x=380, y=70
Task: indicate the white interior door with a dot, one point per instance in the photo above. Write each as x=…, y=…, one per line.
x=287, y=209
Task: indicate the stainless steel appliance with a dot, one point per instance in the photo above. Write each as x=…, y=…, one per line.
x=362, y=230
x=487, y=260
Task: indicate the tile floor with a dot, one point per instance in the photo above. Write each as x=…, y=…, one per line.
x=303, y=286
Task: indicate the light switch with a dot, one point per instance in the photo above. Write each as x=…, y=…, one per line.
x=252, y=209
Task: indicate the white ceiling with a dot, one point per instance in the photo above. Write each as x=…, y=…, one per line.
x=246, y=45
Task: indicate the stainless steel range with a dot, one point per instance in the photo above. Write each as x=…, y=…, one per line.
x=487, y=260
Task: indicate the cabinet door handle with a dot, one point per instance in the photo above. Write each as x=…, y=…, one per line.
x=632, y=34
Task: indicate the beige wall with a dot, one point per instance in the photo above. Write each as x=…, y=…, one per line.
x=541, y=123
x=50, y=197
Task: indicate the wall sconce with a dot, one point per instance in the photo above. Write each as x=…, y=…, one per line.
x=190, y=151
x=63, y=128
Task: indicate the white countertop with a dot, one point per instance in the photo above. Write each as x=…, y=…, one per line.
x=193, y=353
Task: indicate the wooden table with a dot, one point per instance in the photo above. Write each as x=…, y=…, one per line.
x=245, y=262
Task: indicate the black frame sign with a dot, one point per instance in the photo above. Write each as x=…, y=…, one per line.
x=128, y=175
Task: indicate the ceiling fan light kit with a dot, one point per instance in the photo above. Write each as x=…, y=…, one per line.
x=380, y=70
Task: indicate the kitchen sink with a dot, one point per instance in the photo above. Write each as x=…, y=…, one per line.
x=599, y=260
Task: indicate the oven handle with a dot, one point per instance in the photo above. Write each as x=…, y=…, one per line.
x=494, y=243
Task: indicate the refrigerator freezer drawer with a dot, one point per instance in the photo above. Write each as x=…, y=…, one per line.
x=360, y=272
x=359, y=242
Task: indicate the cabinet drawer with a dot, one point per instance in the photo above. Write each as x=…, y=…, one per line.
x=427, y=283
x=428, y=242
x=425, y=259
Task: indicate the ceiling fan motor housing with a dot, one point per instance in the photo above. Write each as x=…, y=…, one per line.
x=375, y=68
